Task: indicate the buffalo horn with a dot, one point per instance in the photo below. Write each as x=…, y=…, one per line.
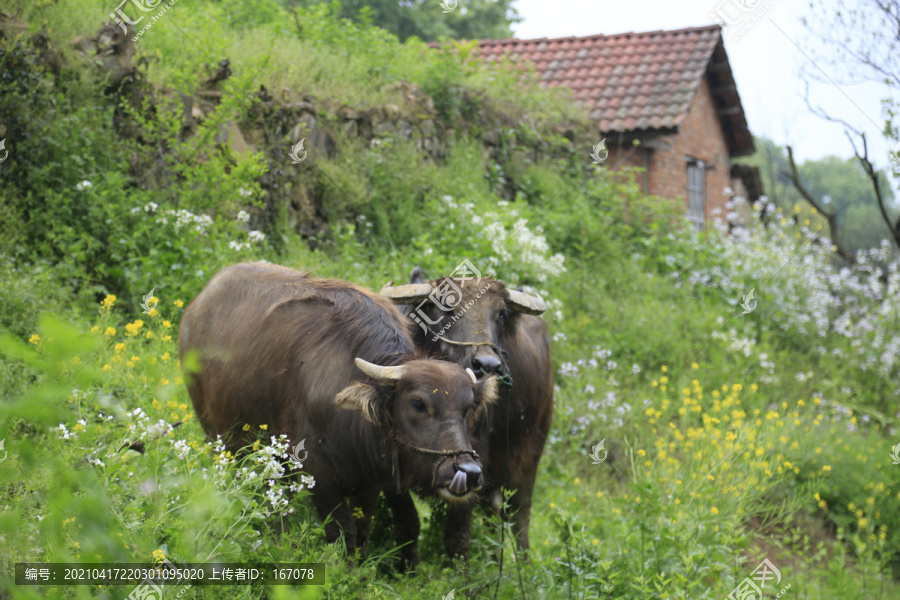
x=531, y=305
x=406, y=294
x=379, y=373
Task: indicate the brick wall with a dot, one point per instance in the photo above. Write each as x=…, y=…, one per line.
x=700, y=137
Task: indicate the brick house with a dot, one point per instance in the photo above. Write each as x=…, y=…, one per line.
x=665, y=101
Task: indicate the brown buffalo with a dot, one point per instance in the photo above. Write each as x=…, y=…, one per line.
x=492, y=329
x=280, y=348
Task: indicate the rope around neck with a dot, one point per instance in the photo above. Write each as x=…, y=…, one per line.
x=444, y=454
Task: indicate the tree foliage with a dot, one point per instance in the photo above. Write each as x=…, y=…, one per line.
x=426, y=19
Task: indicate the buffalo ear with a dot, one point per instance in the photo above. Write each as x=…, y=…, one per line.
x=362, y=397
x=488, y=389
x=417, y=276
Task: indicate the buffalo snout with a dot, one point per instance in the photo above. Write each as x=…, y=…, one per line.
x=487, y=364
x=459, y=480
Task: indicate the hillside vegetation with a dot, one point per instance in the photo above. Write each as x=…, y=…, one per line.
x=734, y=428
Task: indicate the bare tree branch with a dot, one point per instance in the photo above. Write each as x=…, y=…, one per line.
x=830, y=216
x=863, y=158
x=872, y=173
x=862, y=41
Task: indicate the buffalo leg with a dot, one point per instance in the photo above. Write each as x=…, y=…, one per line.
x=332, y=504
x=363, y=509
x=406, y=527
x=457, y=531
x=520, y=506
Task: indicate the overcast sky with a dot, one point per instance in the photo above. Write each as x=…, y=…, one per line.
x=766, y=61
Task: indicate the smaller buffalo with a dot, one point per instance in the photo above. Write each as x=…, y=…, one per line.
x=333, y=364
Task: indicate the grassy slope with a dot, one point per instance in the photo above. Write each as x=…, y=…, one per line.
x=709, y=468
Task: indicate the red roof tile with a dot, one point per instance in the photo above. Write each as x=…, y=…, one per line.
x=627, y=81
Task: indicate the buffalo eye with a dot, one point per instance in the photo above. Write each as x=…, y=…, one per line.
x=418, y=405
x=504, y=314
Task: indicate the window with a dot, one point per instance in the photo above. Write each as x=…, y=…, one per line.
x=696, y=193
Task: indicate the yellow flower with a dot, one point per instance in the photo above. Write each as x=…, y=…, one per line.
x=153, y=312
x=826, y=468
x=552, y=505
x=132, y=329
x=108, y=302
x=246, y=427
x=664, y=379
x=135, y=359
x=159, y=555
x=664, y=369
x=166, y=324
x=167, y=338
x=264, y=427
x=714, y=510
x=107, y=368
x=119, y=348
x=863, y=523
x=596, y=541
x=34, y=339
x=95, y=329
x=178, y=303
x=641, y=453
x=149, y=335
x=695, y=366
x=599, y=495
x=110, y=331
x=577, y=481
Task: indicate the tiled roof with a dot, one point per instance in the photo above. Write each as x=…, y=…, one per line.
x=635, y=81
